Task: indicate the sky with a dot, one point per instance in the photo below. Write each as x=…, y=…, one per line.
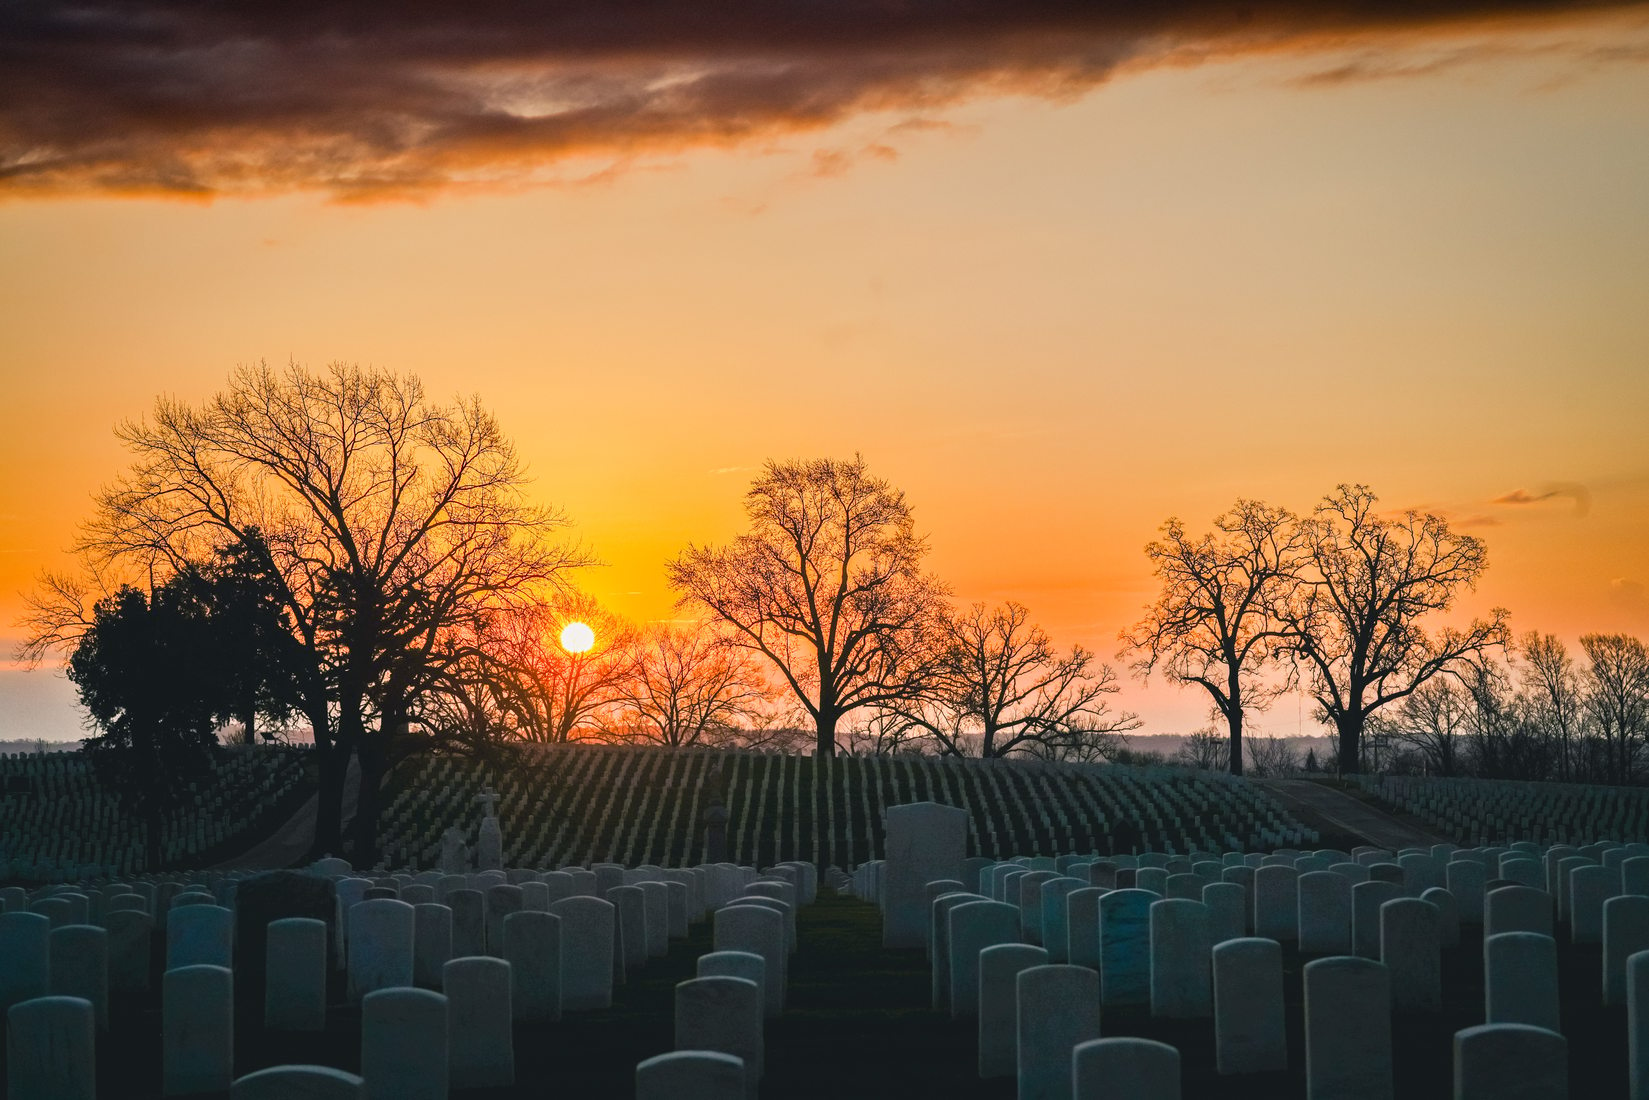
x=1059, y=272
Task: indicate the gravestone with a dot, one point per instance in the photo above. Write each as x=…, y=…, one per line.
x=1448, y=916
x=489, y=844
x=933, y=891
x=197, y=1033
x=1411, y=948
x=131, y=940
x=1520, y=983
x=1082, y=926
x=381, y=934
x=1249, y=1034
x=481, y=1047
x=200, y=935
x=299, y=1083
x=1325, y=913
x=532, y=947
x=1058, y=1007
x=1510, y=1062
x=999, y=969
x=1366, y=900
x=760, y=931
x=1465, y=882
x=588, y=927
x=1517, y=909
x=1625, y=933
x=1348, y=1048
x=469, y=922
x=975, y=926
x=431, y=944
x=1181, y=983
x=455, y=853
x=1589, y=886
x=925, y=842
x=734, y=964
x=502, y=900
x=939, y=983
x=51, y=1045
x=294, y=991
x=25, y=956
x=655, y=903
x=1227, y=904
x=1276, y=903
x=723, y=1015
x=1135, y=1069
x=1125, y=946
x=690, y=1075
x=404, y=1044
x=80, y=967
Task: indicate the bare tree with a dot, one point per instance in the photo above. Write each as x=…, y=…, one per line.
x=1206, y=750
x=1272, y=756
x=1216, y=622
x=1356, y=618
x=387, y=521
x=827, y=585
x=1554, y=700
x=1435, y=722
x=1617, y=692
x=1002, y=687
x=685, y=686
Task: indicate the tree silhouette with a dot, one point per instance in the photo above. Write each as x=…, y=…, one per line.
x=146, y=671
x=381, y=519
x=1355, y=619
x=827, y=584
x=1617, y=683
x=1217, y=622
x=686, y=686
x=1002, y=687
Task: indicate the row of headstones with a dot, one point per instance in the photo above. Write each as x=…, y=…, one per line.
x=397, y=946
x=1146, y=948
x=720, y=1014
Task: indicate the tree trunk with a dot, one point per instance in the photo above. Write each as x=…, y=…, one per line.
x=249, y=719
x=1233, y=718
x=826, y=744
x=374, y=763
x=334, y=766
x=1350, y=728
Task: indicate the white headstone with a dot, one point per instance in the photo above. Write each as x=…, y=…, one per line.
x=1520, y=984
x=51, y=1048
x=1347, y=1029
x=80, y=967
x=690, y=1075
x=481, y=1044
x=1325, y=913
x=294, y=989
x=532, y=947
x=404, y=1045
x=939, y=985
x=1125, y=1069
x=1249, y=1035
x=1082, y=926
x=1125, y=946
x=502, y=900
x=1589, y=886
x=1510, y=1062
x=587, y=931
x=197, y=1032
x=725, y=1015
x=1276, y=903
x=380, y=946
x=131, y=946
x=1227, y=904
x=974, y=926
x=469, y=922
x=1625, y=933
x=926, y=842
x=200, y=935
x=1411, y=948
x=759, y=930
x=1058, y=1008
x=999, y=969
x=299, y=1083
x=1366, y=899
x=631, y=904
x=1181, y=979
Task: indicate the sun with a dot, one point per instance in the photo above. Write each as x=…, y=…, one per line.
x=577, y=638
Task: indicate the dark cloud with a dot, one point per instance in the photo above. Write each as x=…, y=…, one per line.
x=366, y=98
x=1579, y=495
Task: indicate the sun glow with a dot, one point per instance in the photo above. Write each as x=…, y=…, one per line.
x=577, y=638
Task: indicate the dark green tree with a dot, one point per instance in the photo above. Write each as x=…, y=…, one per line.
x=146, y=673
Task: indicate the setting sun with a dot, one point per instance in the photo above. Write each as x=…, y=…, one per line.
x=577, y=638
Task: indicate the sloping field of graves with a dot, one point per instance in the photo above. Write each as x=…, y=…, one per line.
x=585, y=804
x=1486, y=811
x=58, y=822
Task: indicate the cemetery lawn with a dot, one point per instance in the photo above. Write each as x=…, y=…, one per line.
x=857, y=1026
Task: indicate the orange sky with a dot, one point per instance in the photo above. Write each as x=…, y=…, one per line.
x=1053, y=323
